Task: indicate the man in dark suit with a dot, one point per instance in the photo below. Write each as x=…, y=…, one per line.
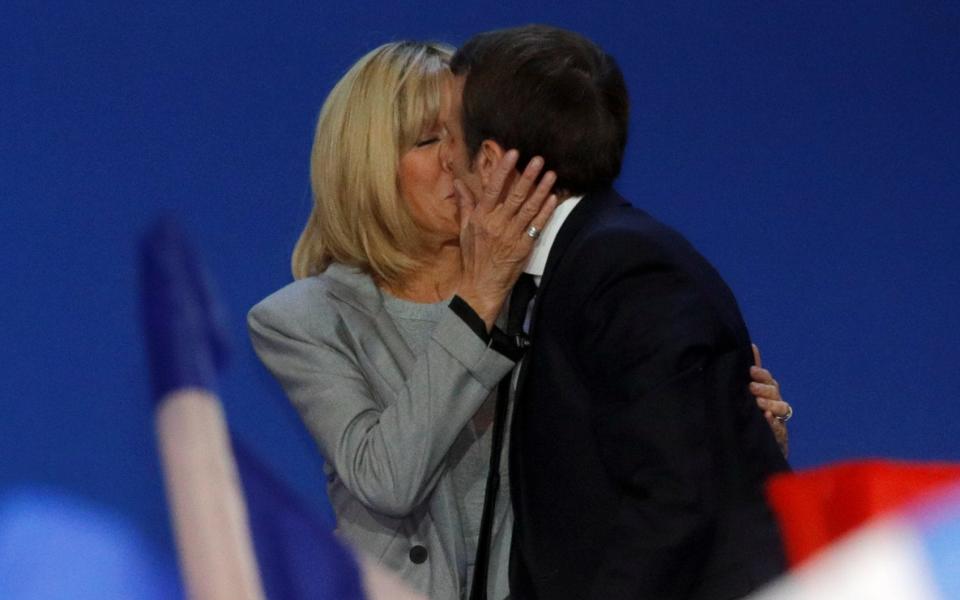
x=637, y=456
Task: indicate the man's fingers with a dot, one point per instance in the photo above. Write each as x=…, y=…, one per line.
x=756, y=355
x=501, y=172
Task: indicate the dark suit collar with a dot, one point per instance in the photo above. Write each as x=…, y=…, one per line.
x=585, y=212
x=590, y=206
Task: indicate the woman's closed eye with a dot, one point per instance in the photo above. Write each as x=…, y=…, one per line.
x=427, y=141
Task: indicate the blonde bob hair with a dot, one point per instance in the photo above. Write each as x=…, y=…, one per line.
x=374, y=114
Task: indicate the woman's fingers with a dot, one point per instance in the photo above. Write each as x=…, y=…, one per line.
x=520, y=189
x=466, y=202
x=540, y=220
x=775, y=409
x=761, y=375
x=778, y=408
x=531, y=207
x=767, y=391
x=501, y=172
x=779, y=433
x=764, y=390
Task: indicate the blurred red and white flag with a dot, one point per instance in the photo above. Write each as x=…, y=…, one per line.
x=896, y=525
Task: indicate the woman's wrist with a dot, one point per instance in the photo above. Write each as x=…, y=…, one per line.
x=487, y=308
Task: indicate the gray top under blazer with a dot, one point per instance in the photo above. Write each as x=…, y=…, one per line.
x=384, y=419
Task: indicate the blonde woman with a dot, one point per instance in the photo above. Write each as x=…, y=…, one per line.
x=388, y=373
x=386, y=342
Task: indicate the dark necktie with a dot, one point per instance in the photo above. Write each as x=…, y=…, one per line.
x=523, y=292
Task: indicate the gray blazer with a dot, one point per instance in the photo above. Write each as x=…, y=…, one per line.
x=383, y=418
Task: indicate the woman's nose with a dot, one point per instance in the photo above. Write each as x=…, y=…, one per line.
x=445, y=161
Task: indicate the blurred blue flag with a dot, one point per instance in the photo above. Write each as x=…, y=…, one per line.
x=298, y=556
x=185, y=328
x=184, y=325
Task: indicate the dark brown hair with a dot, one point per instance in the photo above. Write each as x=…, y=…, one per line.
x=549, y=92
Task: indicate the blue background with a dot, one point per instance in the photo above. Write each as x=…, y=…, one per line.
x=811, y=150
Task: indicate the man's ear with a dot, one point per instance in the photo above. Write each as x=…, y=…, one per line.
x=488, y=156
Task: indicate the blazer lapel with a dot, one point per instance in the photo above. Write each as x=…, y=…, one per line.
x=363, y=313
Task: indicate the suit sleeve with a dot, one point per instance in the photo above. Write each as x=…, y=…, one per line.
x=388, y=452
x=654, y=341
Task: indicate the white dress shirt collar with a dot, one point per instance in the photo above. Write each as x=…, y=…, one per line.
x=537, y=262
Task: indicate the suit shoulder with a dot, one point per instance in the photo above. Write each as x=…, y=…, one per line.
x=625, y=244
x=294, y=305
x=624, y=235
